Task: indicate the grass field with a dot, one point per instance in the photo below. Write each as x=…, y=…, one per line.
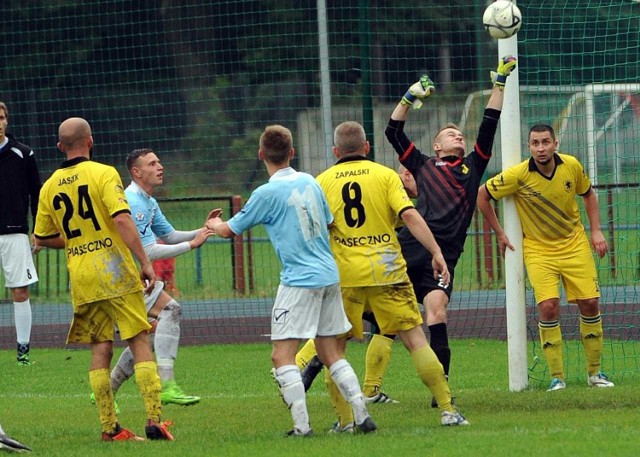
x=47, y=407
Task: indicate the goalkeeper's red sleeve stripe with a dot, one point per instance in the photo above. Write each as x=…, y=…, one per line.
x=407, y=152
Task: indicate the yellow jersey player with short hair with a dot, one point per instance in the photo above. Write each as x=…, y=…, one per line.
x=367, y=200
x=367, y=242
x=92, y=243
x=555, y=245
x=83, y=210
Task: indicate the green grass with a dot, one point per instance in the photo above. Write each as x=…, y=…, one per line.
x=47, y=406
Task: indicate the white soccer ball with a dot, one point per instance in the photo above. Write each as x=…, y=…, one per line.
x=502, y=19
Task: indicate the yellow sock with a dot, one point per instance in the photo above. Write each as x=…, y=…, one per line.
x=376, y=363
x=431, y=374
x=101, y=386
x=551, y=341
x=304, y=355
x=149, y=386
x=591, y=335
x=340, y=406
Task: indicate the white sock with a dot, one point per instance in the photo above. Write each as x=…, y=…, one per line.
x=123, y=370
x=167, y=339
x=292, y=390
x=345, y=378
x=22, y=316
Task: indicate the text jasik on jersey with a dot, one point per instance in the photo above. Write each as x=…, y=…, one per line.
x=79, y=202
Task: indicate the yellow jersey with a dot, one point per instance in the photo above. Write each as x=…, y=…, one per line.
x=546, y=206
x=79, y=202
x=366, y=200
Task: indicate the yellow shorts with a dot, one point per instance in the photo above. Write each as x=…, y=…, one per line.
x=394, y=306
x=575, y=268
x=94, y=322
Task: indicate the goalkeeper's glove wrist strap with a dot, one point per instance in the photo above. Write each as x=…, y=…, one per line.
x=409, y=98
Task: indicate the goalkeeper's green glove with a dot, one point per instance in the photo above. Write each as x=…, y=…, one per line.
x=418, y=92
x=505, y=67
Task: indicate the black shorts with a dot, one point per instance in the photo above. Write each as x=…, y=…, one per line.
x=421, y=276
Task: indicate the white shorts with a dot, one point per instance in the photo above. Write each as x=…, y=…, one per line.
x=17, y=261
x=301, y=313
x=151, y=298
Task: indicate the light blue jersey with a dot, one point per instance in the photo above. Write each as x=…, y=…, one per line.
x=295, y=213
x=147, y=215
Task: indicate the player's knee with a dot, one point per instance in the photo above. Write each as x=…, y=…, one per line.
x=549, y=309
x=20, y=294
x=172, y=310
x=589, y=307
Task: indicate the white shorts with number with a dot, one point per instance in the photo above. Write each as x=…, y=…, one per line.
x=300, y=313
x=16, y=260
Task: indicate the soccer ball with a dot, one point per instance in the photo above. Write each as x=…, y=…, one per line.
x=502, y=19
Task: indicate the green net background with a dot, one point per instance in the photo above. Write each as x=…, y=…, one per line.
x=197, y=81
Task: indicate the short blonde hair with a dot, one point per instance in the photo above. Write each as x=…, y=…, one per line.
x=448, y=125
x=3, y=107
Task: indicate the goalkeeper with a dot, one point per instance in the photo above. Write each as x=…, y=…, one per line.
x=447, y=183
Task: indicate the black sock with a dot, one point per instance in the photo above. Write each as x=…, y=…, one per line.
x=440, y=344
x=310, y=372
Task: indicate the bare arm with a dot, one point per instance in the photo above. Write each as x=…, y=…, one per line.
x=129, y=233
x=219, y=227
x=489, y=213
x=593, y=212
x=421, y=231
x=496, y=99
x=400, y=112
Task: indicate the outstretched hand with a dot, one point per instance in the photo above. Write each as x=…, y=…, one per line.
x=505, y=66
x=214, y=213
x=418, y=91
x=201, y=237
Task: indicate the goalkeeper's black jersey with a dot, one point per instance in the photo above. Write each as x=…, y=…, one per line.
x=447, y=188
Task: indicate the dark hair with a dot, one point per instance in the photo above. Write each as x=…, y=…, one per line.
x=276, y=143
x=3, y=107
x=135, y=155
x=539, y=128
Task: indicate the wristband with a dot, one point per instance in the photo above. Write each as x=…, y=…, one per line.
x=408, y=99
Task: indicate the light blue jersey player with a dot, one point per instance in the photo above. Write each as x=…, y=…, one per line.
x=146, y=213
x=163, y=311
x=295, y=213
x=293, y=210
